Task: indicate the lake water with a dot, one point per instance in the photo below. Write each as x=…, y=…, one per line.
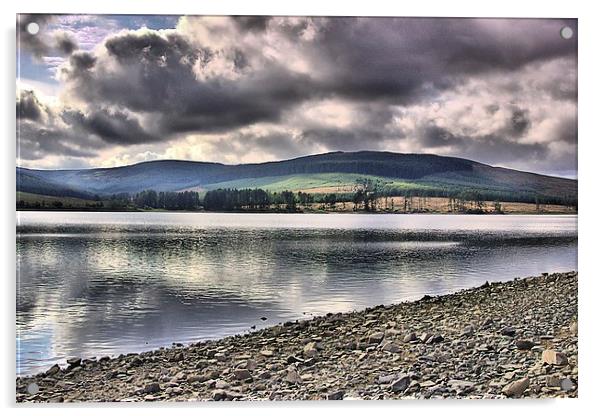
x=95, y=284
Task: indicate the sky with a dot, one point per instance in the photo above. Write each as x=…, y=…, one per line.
x=109, y=90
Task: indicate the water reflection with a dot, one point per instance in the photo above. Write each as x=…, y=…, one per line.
x=97, y=284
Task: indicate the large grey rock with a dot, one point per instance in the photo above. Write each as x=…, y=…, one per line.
x=566, y=384
x=151, y=388
x=391, y=347
x=53, y=370
x=242, y=374
x=401, y=384
x=516, y=388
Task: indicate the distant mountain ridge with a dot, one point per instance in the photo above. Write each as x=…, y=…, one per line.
x=423, y=170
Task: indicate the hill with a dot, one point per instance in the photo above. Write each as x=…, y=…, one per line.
x=336, y=172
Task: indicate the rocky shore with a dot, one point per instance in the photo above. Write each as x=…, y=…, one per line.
x=513, y=339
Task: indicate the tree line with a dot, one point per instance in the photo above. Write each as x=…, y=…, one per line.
x=366, y=195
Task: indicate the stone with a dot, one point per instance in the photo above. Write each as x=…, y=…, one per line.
x=467, y=331
x=55, y=369
x=566, y=384
x=74, y=362
x=242, y=374
x=221, y=385
x=194, y=378
x=391, y=347
x=337, y=395
x=151, y=388
x=392, y=332
x=267, y=353
x=554, y=358
x=310, y=350
x=401, y=383
x=291, y=359
x=573, y=328
x=435, y=339
x=410, y=337
x=524, y=344
x=508, y=331
x=461, y=385
x=388, y=379
x=251, y=365
x=516, y=388
x=425, y=336
x=219, y=395
x=375, y=337
x=293, y=377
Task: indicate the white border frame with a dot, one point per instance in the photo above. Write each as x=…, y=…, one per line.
x=589, y=193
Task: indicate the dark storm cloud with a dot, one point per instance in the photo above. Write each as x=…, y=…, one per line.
x=80, y=62
x=409, y=59
x=37, y=142
x=219, y=76
x=251, y=23
x=490, y=148
x=399, y=61
x=157, y=76
x=41, y=132
x=111, y=126
x=28, y=106
x=65, y=43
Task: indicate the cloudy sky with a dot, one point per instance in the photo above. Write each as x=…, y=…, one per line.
x=112, y=90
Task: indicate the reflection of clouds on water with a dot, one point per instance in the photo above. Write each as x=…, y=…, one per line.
x=90, y=293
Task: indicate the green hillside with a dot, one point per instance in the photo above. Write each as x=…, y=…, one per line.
x=315, y=182
x=395, y=174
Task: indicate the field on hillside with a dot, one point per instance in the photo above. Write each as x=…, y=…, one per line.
x=53, y=201
x=441, y=206
x=314, y=183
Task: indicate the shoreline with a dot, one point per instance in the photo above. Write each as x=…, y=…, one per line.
x=504, y=339
x=486, y=214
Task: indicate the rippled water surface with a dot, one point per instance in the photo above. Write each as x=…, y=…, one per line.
x=94, y=284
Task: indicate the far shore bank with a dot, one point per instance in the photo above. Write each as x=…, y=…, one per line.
x=504, y=339
x=302, y=212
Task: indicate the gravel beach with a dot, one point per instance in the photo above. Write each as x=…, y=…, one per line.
x=514, y=339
